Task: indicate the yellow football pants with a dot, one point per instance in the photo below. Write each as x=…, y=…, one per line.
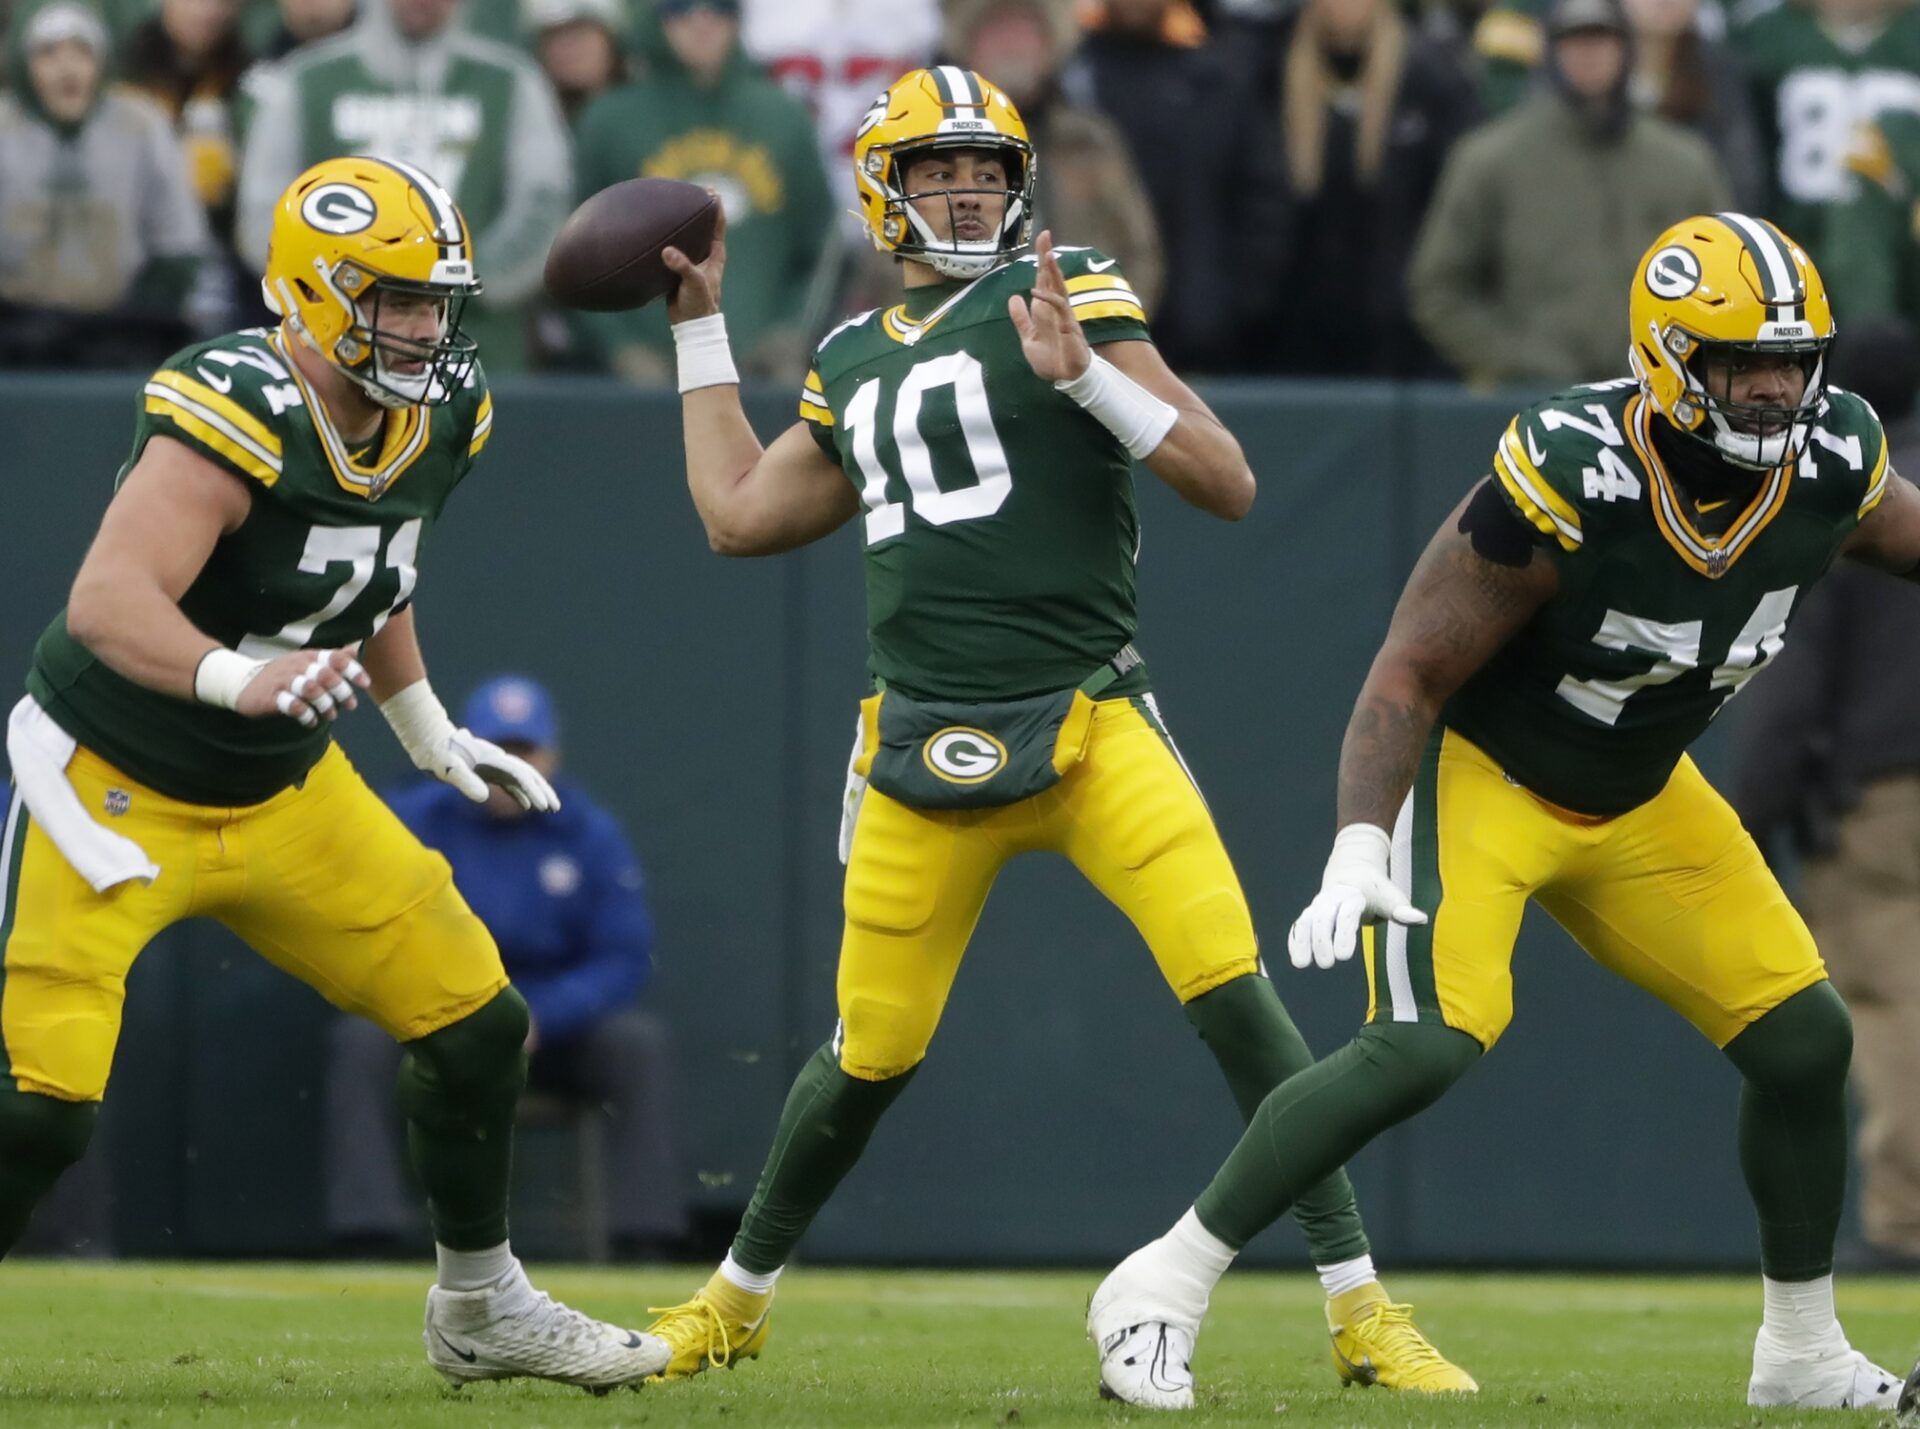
x=1673, y=896
x=323, y=880
x=1129, y=818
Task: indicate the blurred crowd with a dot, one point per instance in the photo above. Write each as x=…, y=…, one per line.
x=1386, y=188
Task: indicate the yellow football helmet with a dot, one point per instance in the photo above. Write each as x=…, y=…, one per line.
x=348, y=233
x=945, y=107
x=1729, y=284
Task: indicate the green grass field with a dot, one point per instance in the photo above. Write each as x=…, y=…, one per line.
x=139, y=1344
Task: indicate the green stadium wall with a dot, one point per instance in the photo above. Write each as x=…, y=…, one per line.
x=1066, y=1111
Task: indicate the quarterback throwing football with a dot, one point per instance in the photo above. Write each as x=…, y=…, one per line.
x=173, y=758
x=984, y=431
x=1632, y=560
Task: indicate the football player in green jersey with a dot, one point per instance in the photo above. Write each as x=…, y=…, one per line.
x=984, y=430
x=1630, y=563
x=1816, y=71
x=173, y=759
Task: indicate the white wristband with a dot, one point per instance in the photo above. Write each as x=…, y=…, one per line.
x=1368, y=841
x=420, y=722
x=221, y=675
x=1133, y=414
x=705, y=358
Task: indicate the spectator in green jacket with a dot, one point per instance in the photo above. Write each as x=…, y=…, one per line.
x=703, y=113
x=407, y=82
x=1542, y=214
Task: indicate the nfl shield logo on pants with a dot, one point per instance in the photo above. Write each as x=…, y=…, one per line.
x=118, y=802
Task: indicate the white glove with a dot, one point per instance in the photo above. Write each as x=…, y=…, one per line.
x=1355, y=888
x=452, y=755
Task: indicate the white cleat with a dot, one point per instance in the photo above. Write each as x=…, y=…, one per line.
x=511, y=1329
x=1145, y=1344
x=1838, y=1377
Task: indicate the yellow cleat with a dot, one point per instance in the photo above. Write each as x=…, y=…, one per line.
x=1376, y=1342
x=718, y=1328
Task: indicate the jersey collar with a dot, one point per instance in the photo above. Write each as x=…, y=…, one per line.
x=897, y=324
x=405, y=435
x=1713, y=556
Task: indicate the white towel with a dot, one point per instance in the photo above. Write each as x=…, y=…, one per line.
x=40, y=751
x=855, y=792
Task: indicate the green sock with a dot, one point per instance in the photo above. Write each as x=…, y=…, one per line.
x=1257, y=1046
x=40, y=1137
x=1312, y=1124
x=1793, y=1128
x=823, y=1129
x=458, y=1087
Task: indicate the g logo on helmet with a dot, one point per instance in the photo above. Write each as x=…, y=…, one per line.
x=1673, y=272
x=339, y=208
x=961, y=754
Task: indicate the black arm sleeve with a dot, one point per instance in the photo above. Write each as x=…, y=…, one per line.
x=1497, y=533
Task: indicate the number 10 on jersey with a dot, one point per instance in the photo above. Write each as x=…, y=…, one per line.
x=993, y=480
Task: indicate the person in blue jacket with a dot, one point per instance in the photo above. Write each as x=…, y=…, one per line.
x=563, y=896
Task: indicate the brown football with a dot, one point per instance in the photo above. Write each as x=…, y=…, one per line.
x=606, y=258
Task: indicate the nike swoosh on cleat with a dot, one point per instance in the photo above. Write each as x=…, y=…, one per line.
x=468, y=1355
x=633, y=1341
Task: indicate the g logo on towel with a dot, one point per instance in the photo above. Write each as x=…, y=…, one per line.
x=961, y=754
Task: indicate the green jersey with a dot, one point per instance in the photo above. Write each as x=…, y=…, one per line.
x=999, y=517
x=1655, y=624
x=1813, y=86
x=327, y=554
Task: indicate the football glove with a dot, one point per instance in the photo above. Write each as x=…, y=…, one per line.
x=458, y=757
x=1357, y=887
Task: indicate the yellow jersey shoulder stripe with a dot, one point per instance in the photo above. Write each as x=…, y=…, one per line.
x=1538, y=515
x=1088, y=282
x=1533, y=493
x=813, y=400
x=214, y=427
x=482, y=426
x=1877, y=483
x=209, y=433
x=1109, y=308
x=243, y=422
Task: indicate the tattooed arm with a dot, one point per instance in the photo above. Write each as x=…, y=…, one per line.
x=1480, y=579
x=1473, y=589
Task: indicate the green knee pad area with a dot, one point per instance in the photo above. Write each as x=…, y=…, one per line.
x=457, y=1088
x=1254, y=1040
x=1249, y=1033
x=469, y=1074
x=1793, y=1128
x=39, y=1138
x=824, y=1126
x=1316, y=1121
